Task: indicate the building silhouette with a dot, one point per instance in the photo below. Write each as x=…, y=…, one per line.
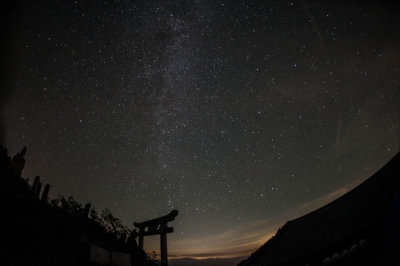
x=361, y=227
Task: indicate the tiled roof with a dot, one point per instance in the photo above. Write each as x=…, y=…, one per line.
x=347, y=218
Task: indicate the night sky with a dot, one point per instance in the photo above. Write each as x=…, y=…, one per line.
x=240, y=114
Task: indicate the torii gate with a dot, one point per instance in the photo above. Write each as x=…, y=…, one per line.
x=160, y=227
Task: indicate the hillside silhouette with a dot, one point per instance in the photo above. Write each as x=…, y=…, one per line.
x=61, y=231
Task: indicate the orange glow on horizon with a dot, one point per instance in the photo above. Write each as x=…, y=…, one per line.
x=242, y=245
x=242, y=250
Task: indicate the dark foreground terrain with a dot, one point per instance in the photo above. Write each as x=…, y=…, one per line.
x=36, y=231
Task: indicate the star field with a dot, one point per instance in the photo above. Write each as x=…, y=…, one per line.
x=230, y=112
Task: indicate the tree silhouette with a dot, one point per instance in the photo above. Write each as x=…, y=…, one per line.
x=113, y=224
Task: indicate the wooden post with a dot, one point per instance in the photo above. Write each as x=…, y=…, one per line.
x=37, y=192
x=141, y=235
x=34, y=186
x=45, y=194
x=86, y=210
x=163, y=244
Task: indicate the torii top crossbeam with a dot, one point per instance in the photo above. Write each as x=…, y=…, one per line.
x=157, y=221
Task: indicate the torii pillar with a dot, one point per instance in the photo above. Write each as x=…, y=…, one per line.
x=158, y=226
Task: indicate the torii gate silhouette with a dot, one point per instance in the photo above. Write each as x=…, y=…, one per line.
x=160, y=227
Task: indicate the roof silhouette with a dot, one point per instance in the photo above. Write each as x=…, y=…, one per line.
x=350, y=218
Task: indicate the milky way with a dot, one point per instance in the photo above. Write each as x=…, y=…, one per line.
x=239, y=115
